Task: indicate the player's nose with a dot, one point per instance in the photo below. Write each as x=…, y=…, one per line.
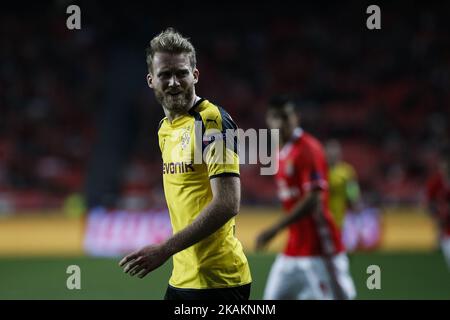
x=173, y=82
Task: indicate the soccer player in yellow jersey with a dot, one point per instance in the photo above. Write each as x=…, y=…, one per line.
x=202, y=192
x=343, y=183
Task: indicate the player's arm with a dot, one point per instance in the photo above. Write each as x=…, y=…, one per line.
x=224, y=206
x=307, y=205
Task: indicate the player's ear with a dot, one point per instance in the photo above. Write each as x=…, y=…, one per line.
x=196, y=74
x=149, y=80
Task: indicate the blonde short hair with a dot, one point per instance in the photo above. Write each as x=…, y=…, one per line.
x=170, y=41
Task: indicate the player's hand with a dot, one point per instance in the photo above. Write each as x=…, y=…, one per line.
x=145, y=260
x=264, y=238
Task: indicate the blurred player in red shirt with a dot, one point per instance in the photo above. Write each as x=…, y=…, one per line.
x=313, y=264
x=438, y=195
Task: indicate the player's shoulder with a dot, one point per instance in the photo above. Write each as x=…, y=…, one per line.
x=311, y=143
x=214, y=115
x=206, y=108
x=346, y=167
x=310, y=149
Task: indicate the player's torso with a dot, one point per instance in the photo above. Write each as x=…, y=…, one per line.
x=287, y=180
x=338, y=177
x=290, y=181
x=218, y=260
x=304, y=236
x=184, y=179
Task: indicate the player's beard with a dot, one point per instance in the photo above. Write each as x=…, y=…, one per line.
x=178, y=103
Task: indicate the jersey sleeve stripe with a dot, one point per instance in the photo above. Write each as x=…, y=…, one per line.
x=198, y=118
x=225, y=174
x=318, y=184
x=228, y=124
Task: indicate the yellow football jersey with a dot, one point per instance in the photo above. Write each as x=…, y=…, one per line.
x=343, y=187
x=217, y=261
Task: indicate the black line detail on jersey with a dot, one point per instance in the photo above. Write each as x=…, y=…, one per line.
x=197, y=116
x=160, y=123
x=228, y=124
x=192, y=109
x=193, y=112
x=225, y=174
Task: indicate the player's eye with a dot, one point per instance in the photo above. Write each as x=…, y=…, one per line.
x=182, y=73
x=163, y=75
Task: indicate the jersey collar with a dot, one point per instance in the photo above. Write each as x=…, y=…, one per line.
x=191, y=112
x=192, y=109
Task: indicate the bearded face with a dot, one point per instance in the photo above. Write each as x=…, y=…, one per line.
x=173, y=80
x=175, y=99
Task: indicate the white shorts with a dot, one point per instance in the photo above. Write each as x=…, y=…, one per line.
x=309, y=278
x=445, y=247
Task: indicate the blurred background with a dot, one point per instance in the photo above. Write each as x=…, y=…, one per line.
x=80, y=167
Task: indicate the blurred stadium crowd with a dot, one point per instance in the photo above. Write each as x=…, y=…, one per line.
x=76, y=115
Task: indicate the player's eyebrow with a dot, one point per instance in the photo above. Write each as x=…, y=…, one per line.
x=172, y=70
x=163, y=72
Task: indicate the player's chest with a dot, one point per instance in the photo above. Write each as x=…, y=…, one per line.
x=287, y=180
x=337, y=179
x=178, y=144
x=289, y=164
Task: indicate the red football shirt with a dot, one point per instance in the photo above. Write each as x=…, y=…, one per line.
x=438, y=191
x=302, y=167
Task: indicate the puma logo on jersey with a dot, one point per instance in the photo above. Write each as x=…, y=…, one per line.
x=212, y=120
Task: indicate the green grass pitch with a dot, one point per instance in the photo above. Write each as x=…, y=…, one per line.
x=403, y=276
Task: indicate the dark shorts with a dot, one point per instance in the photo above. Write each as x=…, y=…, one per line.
x=240, y=293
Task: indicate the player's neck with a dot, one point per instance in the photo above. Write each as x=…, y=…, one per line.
x=289, y=136
x=286, y=137
x=174, y=114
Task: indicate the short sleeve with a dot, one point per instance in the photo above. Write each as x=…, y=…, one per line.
x=220, y=145
x=312, y=171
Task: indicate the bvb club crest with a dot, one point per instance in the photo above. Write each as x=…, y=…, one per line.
x=185, y=137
